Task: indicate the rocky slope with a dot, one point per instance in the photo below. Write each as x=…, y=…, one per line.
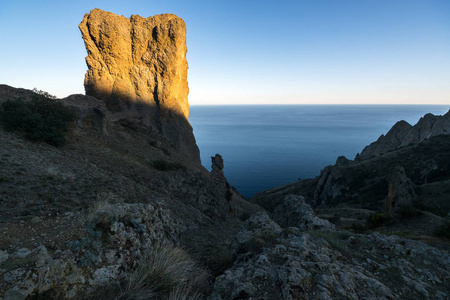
x=83, y=215
x=319, y=262
x=79, y=221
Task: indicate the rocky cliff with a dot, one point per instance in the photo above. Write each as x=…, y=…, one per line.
x=403, y=134
x=138, y=67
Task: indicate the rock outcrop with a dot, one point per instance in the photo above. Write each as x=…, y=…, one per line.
x=294, y=212
x=391, y=141
x=116, y=237
x=403, y=134
x=401, y=192
x=331, y=185
x=217, y=164
x=138, y=67
x=427, y=127
x=296, y=264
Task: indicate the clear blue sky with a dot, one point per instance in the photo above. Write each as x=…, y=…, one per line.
x=255, y=52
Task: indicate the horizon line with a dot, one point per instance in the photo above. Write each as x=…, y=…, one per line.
x=321, y=104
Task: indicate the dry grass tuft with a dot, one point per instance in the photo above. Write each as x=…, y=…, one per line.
x=164, y=273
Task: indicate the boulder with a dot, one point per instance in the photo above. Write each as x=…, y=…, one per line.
x=256, y=230
x=294, y=212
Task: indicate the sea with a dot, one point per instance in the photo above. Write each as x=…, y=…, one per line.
x=264, y=146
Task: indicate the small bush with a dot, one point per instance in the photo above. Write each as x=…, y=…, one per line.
x=41, y=119
x=44, y=93
x=163, y=165
x=443, y=230
x=377, y=220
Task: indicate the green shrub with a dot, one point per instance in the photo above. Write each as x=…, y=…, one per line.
x=443, y=230
x=44, y=93
x=41, y=119
x=163, y=165
x=377, y=220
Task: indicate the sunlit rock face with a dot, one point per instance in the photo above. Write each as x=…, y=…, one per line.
x=138, y=66
x=136, y=60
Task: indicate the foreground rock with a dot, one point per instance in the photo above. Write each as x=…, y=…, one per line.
x=116, y=236
x=294, y=212
x=294, y=264
x=138, y=67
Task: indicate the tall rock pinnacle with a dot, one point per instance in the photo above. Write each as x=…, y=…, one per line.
x=136, y=60
x=138, y=66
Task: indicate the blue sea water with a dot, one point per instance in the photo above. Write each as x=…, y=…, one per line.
x=271, y=145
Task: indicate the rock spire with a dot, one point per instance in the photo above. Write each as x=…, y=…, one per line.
x=138, y=67
x=137, y=60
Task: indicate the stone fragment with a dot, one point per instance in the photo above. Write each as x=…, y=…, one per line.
x=22, y=253
x=3, y=256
